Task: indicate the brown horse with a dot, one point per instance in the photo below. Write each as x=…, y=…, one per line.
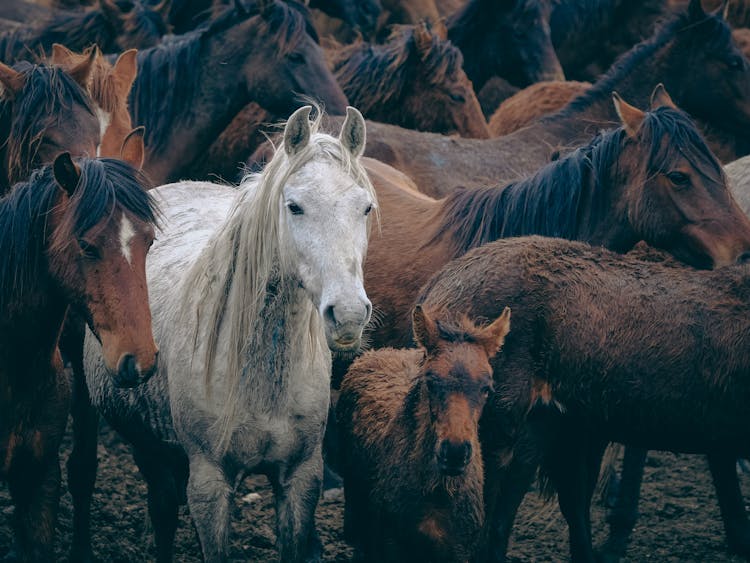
x=505, y=38
x=43, y=112
x=106, y=24
x=627, y=185
x=185, y=99
x=412, y=464
x=414, y=80
x=109, y=87
x=76, y=234
x=607, y=347
x=716, y=90
x=532, y=103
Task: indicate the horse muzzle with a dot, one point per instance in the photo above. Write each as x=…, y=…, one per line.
x=344, y=325
x=130, y=373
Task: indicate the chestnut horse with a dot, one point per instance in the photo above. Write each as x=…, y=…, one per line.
x=414, y=80
x=410, y=424
x=44, y=111
x=185, y=99
x=75, y=235
x=715, y=91
x=653, y=178
x=506, y=38
x=607, y=347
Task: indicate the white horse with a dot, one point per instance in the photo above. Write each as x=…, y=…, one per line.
x=247, y=287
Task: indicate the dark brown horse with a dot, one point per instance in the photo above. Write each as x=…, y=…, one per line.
x=43, y=112
x=414, y=80
x=654, y=178
x=505, y=38
x=715, y=91
x=411, y=460
x=106, y=24
x=606, y=347
x=63, y=245
x=185, y=99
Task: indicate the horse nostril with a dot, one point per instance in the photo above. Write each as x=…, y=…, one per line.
x=454, y=456
x=329, y=315
x=127, y=372
x=744, y=257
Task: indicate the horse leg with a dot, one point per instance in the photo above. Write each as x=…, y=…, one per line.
x=297, y=490
x=82, y=465
x=163, y=500
x=209, y=492
x=568, y=464
x=724, y=474
x=35, y=488
x=624, y=515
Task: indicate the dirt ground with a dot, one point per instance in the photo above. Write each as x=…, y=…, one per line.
x=680, y=517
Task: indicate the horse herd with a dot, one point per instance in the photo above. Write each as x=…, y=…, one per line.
x=216, y=328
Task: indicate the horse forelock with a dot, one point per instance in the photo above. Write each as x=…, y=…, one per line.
x=253, y=259
x=48, y=94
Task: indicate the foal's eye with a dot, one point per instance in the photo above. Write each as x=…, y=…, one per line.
x=367, y=211
x=294, y=209
x=735, y=62
x=89, y=251
x=296, y=58
x=679, y=179
x=458, y=98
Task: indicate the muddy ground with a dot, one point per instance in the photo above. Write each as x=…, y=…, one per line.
x=680, y=517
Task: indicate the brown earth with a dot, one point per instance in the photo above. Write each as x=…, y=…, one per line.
x=680, y=517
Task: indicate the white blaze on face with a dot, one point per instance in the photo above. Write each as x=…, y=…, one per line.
x=126, y=236
x=105, y=119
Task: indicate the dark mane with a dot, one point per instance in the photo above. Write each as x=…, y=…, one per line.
x=168, y=74
x=106, y=185
x=551, y=202
x=78, y=30
x=48, y=93
x=716, y=31
x=374, y=75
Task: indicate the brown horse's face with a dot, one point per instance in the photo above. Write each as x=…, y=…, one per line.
x=450, y=107
x=78, y=134
x=106, y=274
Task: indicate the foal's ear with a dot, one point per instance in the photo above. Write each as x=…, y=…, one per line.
x=133, y=151
x=297, y=131
x=81, y=72
x=61, y=55
x=660, y=98
x=696, y=11
x=630, y=116
x=125, y=71
x=11, y=82
x=353, y=135
x=425, y=329
x=66, y=173
x=163, y=8
x=493, y=336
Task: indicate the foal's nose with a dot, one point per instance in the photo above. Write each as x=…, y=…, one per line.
x=129, y=373
x=453, y=457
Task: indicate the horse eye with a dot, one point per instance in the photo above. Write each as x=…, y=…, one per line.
x=679, y=179
x=458, y=98
x=89, y=251
x=735, y=62
x=296, y=58
x=295, y=209
x=367, y=211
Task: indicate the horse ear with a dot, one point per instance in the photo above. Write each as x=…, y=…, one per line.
x=660, y=98
x=297, y=131
x=353, y=133
x=163, y=8
x=133, y=150
x=493, y=336
x=81, y=72
x=723, y=10
x=61, y=55
x=111, y=10
x=630, y=116
x=425, y=329
x=11, y=82
x=125, y=71
x=66, y=173
x=696, y=11
x=422, y=38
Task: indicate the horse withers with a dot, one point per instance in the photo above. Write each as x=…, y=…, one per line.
x=411, y=459
x=75, y=235
x=250, y=289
